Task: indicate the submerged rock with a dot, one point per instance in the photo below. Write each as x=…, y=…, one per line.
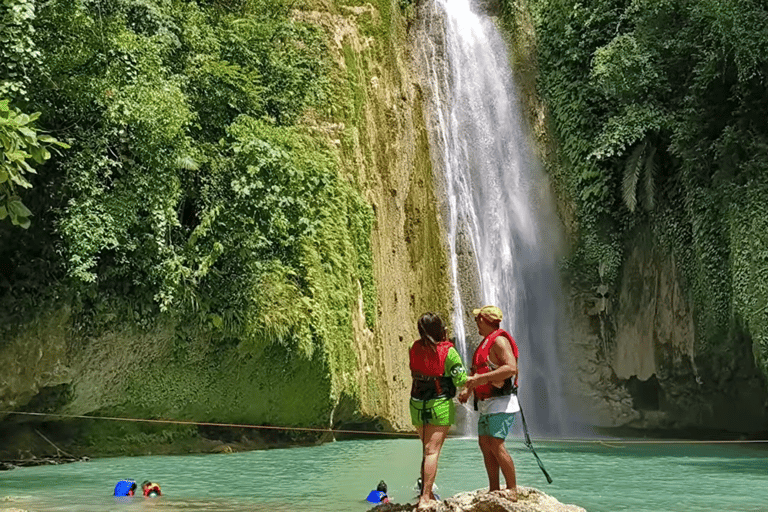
x=528, y=500
x=6, y=500
x=11, y=509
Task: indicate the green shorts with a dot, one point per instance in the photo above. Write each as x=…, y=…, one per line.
x=439, y=411
x=495, y=425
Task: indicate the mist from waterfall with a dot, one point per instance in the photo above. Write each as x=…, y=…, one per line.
x=496, y=200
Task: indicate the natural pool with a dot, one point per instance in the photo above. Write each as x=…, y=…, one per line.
x=601, y=477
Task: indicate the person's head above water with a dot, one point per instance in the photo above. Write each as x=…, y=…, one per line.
x=431, y=329
x=150, y=489
x=420, y=485
x=379, y=495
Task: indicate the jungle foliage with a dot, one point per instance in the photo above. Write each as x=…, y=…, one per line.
x=659, y=110
x=21, y=144
x=190, y=190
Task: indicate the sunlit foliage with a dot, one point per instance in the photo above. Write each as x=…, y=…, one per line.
x=659, y=109
x=188, y=192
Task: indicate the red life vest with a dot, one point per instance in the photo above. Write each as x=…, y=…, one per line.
x=152, y=487
x=428, y=369
x=480, y=365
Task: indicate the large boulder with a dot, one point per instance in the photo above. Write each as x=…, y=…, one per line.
x=528, y=500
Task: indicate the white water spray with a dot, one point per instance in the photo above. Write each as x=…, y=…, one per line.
x=495, y=202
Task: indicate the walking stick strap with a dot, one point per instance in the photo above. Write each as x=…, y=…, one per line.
x=529, y=444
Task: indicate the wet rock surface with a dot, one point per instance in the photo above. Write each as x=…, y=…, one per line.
x=638, y=364
x=529, y=499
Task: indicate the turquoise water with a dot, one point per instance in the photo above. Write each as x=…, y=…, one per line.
x=337, y=477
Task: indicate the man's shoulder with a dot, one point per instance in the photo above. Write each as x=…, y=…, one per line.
x=503, y=348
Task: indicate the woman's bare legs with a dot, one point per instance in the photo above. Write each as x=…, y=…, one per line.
x=432, y=438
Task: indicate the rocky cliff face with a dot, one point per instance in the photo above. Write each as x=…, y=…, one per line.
x=389, y=159
x=380, y=139
x=639, y=363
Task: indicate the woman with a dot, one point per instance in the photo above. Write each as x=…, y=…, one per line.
x=437, y=371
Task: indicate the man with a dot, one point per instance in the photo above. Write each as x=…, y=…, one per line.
x=494, y=384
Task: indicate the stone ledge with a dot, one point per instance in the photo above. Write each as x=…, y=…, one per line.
x=529, y=500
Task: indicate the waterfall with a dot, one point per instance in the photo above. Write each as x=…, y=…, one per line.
x=501, y=251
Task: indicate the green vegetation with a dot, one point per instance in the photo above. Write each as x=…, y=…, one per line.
x=192, y=195
x=20, y=143
x=204, y=213
x=659, y=111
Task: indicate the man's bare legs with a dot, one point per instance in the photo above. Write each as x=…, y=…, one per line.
x=491, y=462
x=496, y=457
x=432, y=438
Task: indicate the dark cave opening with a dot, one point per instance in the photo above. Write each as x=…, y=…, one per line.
x=645, y=393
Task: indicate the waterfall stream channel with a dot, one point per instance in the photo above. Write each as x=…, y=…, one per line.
x=501, y=241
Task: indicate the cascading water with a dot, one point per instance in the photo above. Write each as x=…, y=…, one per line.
x=500, y=251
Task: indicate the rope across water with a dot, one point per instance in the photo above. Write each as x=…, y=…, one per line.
x=604, y=441
x=209, y=424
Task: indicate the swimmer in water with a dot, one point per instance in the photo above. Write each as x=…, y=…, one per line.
x=125, y=488
x=379, y=495
x=150, y=489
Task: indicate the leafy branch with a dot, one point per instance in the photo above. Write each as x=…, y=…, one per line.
x=20, y=143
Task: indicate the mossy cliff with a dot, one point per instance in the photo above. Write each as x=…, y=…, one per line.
x=314, y=334
x=666, y=266
x=384, y=150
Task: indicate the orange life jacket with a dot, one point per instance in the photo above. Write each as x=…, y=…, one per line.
x=152, y=488
x=480, y=365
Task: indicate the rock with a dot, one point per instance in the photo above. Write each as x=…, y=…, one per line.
x=222, y=448
x=528, y=500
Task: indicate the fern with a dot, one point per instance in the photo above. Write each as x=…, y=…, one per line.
x=650, y=178
x=632, y=175
x=187, y=163
x=641, y=161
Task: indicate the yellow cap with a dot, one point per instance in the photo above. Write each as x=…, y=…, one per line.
x=490, y=313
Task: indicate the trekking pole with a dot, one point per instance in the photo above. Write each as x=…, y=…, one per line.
x=529, y=444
